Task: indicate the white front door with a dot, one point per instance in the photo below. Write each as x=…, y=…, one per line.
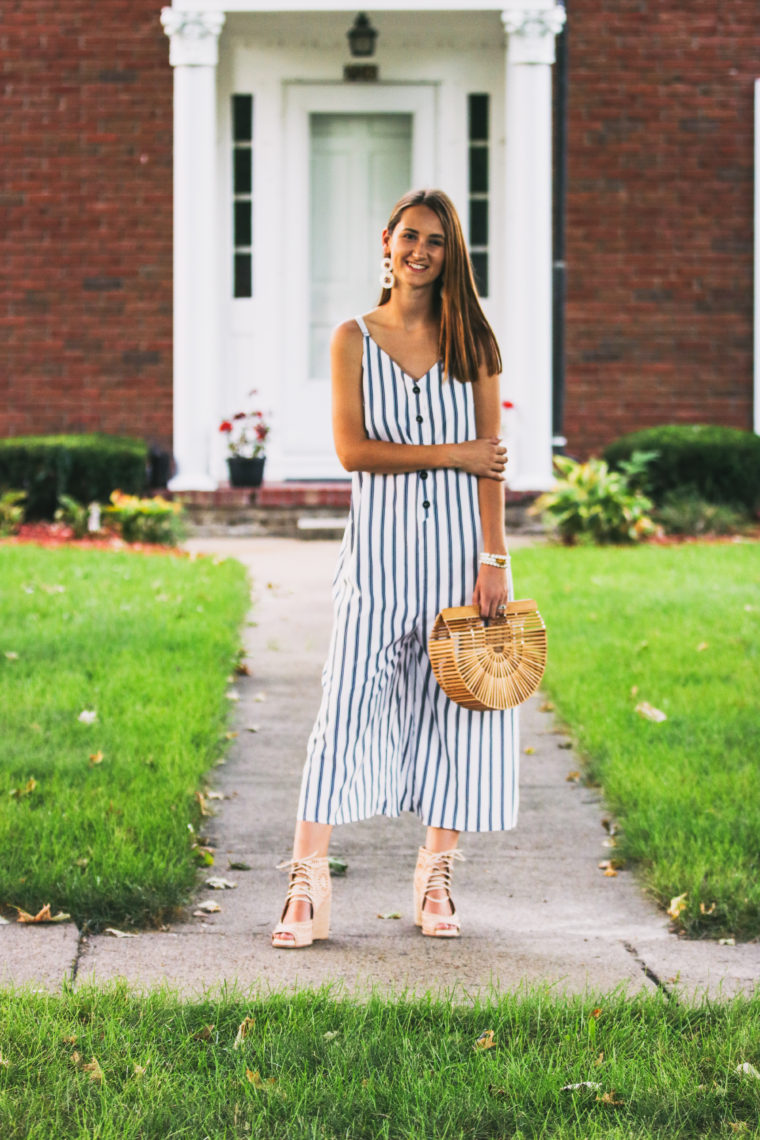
x=353, y=153
x=360, y=165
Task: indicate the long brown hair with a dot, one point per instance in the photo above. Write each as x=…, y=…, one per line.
x=466, y=340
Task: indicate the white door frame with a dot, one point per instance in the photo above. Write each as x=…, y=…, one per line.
x=302, y=100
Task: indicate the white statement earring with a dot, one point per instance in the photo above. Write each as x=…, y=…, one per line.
x=386, y=277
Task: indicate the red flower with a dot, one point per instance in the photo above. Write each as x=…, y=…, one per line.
x=507, y=404
x=225, y=425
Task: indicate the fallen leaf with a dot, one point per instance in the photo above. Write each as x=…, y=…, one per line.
x=634, y=690
x=243, y=669
x=738, y=1125
x=230, y=735
x=204, y=1034
x=600, y=1060
x=96, y=758
x=28, y=788
x=649, y=712
x=139, y=1070
x=239, y=866
x=331, y=1035
x=485, y=1041
x=255, y=1078
x=748, y=1070
x=547, y=706
x=218, y=884
x=118, y=933
x=76, y=1058
x=253, y=727
x=610, y=1098
x=232, y=695
x=245, y=1027
x=581, y=1085
x=260, y=697
x=11, y=655
x=70, y=1040
x=608, y=866
x=336, y=866
x=702, y=646
x=726, y=941
x=572, y=777
x=678, y=904
x=87, y=716
x=43, y=915
x=565, y=744
x=596, y=1012
x=611, y=842
x=529, y=751
x=707, y=910
x=4, y=1064
x=214, y=795
x=95, y=1071
x=610, y=826
x=390, y=914
x=202, y=804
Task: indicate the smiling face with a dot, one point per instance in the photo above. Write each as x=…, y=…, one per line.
x=416, y=246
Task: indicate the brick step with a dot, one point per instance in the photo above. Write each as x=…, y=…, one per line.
x=299, y=510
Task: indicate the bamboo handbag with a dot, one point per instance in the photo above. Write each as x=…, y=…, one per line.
x=494, y=664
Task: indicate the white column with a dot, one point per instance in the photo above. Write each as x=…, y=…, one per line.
x=194, y=53
x=527, y=347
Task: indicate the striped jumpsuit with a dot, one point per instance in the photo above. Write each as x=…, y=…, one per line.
x=387, y=739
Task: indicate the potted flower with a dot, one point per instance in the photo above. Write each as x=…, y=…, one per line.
x=246, y=443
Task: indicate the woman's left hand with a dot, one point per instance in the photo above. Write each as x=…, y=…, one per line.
x=490, y=590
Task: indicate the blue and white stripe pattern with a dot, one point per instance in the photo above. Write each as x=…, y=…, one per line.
x=387, y=739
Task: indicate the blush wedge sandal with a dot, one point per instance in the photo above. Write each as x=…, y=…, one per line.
x=432, y=881
x=309, y=883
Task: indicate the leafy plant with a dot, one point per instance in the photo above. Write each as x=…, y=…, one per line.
x=686, y=512
x=74, y=514
x=590, y=501
x=246, y=433
x=146, y=520
x=11, y=511
x=720, y=464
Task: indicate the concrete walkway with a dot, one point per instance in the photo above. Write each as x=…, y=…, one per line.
x=535, y=906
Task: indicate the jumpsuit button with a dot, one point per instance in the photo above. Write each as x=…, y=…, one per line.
x=419, y=419
x=416, y=389
x=426, y=503
x=423, y=474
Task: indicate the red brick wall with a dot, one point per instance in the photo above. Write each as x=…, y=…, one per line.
x=659, y=215
x=86, y=202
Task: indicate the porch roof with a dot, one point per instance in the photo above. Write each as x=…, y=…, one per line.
x=352, y=5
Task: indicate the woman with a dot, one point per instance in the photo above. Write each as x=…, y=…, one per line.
x=416, y=416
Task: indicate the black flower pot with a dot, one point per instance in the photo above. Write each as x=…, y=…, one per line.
x=245, y=472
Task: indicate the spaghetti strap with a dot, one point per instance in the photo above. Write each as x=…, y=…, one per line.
x=362, y=325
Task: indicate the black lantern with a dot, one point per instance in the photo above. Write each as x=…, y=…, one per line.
x=361, y=37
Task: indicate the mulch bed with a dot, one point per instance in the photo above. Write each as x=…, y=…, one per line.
x=56, y=535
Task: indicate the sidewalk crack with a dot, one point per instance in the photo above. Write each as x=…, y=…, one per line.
x=649, y=973
x=78, y=956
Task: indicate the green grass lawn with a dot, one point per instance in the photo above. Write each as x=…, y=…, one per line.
x=95, y=818
x=678, y=628
x=102, y=1063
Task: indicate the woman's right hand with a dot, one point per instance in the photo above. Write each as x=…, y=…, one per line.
x=485, y=458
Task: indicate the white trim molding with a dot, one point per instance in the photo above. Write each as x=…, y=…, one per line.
x=532, y=32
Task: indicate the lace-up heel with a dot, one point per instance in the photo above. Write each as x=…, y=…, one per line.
x=310, y=883
x=432, y=881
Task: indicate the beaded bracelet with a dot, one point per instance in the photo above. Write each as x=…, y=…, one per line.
x=499, y=560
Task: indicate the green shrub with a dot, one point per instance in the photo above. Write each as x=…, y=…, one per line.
x=11, y=511
x=590, y=501
x=685, y=512
x=146, y=520
x=720, y=464
x=85, y=467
